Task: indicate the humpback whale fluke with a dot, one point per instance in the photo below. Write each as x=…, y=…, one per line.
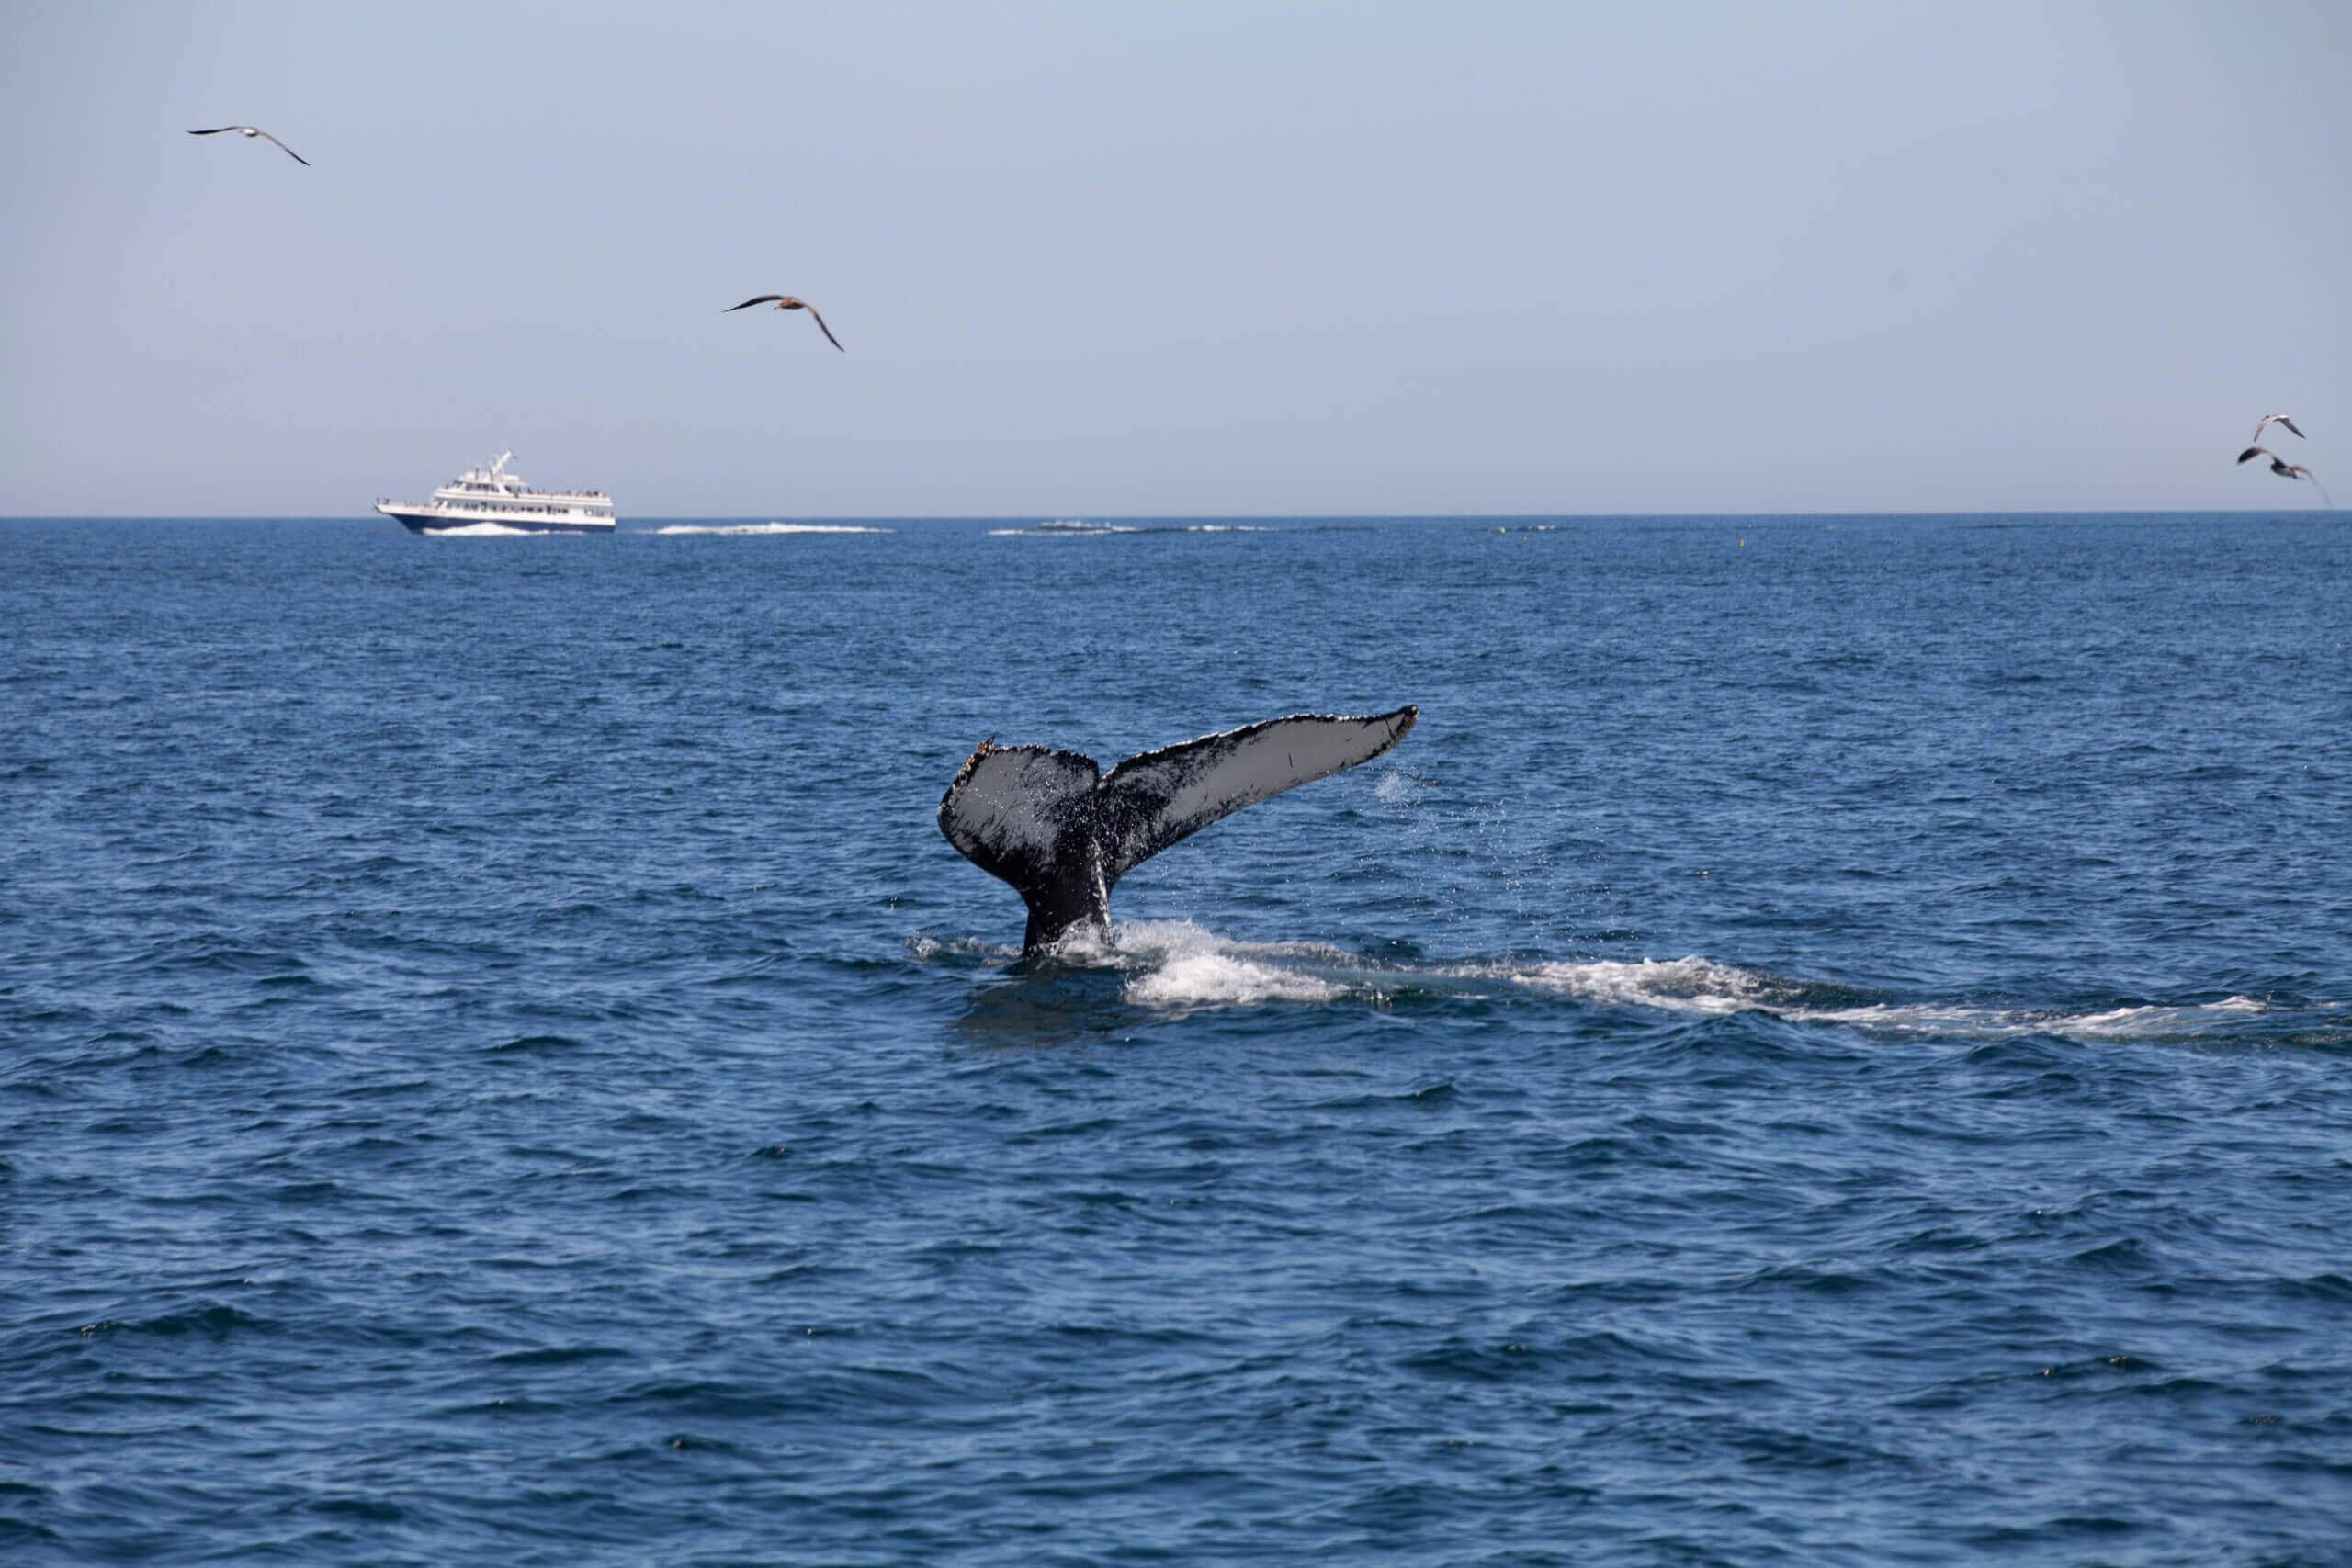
x=1063, y=833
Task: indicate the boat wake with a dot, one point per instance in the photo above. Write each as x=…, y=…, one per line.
x=1078, y=528
x=1065, y=528
x=740, y=530
x=484, y=530
x=1177, y=967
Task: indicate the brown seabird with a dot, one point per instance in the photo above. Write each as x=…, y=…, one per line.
x=2287, y=470
x=787, y=302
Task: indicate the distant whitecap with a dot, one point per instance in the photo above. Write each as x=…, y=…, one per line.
x=749, y=529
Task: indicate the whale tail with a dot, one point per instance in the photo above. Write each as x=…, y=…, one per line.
x=1063, y=833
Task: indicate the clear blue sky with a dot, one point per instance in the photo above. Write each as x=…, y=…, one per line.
x=1178, y=258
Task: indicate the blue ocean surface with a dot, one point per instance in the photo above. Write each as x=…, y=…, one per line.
x=1831, y=1042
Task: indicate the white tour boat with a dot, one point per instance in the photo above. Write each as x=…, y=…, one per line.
x=493, y=495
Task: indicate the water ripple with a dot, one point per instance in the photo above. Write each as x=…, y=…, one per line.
x=1830, y=1052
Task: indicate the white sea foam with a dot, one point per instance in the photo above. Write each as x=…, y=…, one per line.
x=1701, y=986
x=1065, y=528
x=1680, y=985
x=922, y=947
x=1180, y=965
x=1078, y=528
x=2125, y=1023
x=739, y=529
x=2145, y=1022
x=482, y=531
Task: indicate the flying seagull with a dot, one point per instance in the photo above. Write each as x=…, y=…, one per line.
x=265, y=136
x=787, y=302
x=2274, y=419
x=2287, y=470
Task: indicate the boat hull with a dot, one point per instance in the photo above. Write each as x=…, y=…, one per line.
x=427, y=520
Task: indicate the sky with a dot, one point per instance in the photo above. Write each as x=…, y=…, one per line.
x=1176, y=259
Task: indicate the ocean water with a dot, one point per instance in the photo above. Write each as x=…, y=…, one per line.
x=1830, y=1043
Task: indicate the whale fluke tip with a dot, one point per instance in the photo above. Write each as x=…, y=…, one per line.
x=979, y=755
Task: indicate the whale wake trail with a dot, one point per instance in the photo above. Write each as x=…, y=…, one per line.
x=757, y=530
x=1179, y=965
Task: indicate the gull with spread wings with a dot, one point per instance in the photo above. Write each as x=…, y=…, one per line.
x=2287, y=470
x=249, y=132
x=787, y=302
x=2273, y=419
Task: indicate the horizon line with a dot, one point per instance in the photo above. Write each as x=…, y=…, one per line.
x=1169, y=516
